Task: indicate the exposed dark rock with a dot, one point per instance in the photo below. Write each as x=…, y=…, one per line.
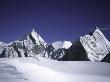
x=106, y=58
x=58, y=54
x=75, y=53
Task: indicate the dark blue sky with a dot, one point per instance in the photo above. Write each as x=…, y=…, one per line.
x=53, y=19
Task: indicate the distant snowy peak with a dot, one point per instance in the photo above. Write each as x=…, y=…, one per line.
x=96, y=45
x=37, y=38
x=2, y=44
x=66, y=44
x=61, y=44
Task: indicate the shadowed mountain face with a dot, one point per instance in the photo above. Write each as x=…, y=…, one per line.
x=75, y=53
x=91, y=47
x=107, y=58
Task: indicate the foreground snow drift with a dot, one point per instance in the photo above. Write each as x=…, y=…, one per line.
x=40, y=70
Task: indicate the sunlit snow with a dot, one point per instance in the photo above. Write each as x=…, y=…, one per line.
x=61, y=44
x=44, y=70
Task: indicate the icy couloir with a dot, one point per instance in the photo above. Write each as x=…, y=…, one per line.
x=96, y=45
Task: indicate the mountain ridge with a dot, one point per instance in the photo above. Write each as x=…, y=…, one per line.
x=91, y=47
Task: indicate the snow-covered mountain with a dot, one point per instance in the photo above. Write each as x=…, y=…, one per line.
x=91, y=47
x=31, y=59
x=61, y=44
x=96, y=45
x=38, y=59
x=31, y=45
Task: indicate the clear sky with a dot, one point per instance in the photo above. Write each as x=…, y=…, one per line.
x=53, y=19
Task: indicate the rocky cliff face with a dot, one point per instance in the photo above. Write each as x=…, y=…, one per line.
x=96, y=45
x=91, y=47
x=75, y=53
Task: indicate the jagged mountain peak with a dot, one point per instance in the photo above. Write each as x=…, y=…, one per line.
x=31, y=44
x=34, y=32
x=33, y=37
x=38, y=39
x=96, y=45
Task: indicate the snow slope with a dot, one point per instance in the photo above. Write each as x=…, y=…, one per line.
x=44, y=70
